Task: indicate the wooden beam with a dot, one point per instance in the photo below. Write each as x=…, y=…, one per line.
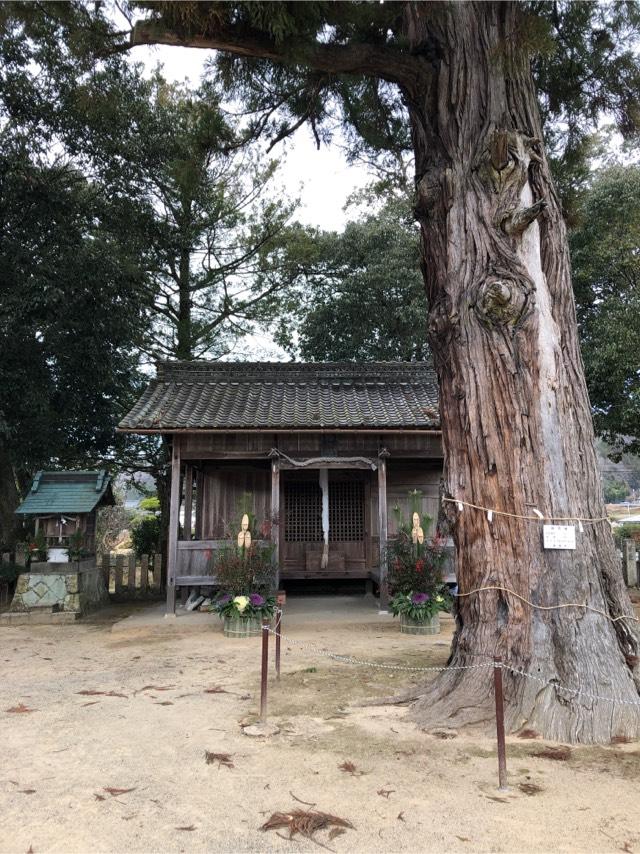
x=275, y=514
x=188, y=502
x=199, y=503
x=174, y=521
x=383, y=527
x=204, y=431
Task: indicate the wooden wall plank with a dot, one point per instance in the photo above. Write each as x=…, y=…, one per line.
x=188, y=503
x=144, y=573
x=382, y=529
x=174, y=521
x=118, y=574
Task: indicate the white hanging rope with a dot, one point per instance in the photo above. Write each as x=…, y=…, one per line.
x=538, y=517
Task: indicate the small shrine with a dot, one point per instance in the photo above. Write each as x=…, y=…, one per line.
x=63, y=580
x=63, y=505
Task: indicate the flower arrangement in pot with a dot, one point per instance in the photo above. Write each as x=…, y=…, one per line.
x=243, y=615
x=418, y=593
x=245, y=573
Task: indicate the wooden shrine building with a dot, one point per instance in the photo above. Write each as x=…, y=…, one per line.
x=63, y=503
x=325, y=452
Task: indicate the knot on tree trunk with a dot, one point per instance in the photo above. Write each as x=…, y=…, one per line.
x=502, y=300
x=505, y=158
x=436, y=186
x=515, y=222
x=442, y=325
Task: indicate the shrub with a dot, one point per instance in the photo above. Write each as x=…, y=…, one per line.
x=145, y=535
x=244, y=571
x=150, y=505
x=627, y=531
x=415, y=567
x=10, y=571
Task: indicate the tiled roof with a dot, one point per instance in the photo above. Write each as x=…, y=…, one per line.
x=287, y=395
x=66, y=492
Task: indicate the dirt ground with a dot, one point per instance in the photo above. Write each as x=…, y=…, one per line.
x=93, y=708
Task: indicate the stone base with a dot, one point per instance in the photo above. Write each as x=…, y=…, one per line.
x=38, y=616
x=261, y=730
x=57, y=593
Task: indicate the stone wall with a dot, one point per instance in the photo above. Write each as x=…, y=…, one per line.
x=54, y=588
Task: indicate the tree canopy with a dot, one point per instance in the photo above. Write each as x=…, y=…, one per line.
x=333, y=64
x=605, y=251
x=362, y=296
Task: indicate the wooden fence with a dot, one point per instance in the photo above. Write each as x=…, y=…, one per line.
x=127, y=576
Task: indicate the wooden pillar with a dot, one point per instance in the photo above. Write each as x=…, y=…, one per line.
x=174, y=521
x=629, y=563
x=199, y=503
x=383, y=526
x=188, y=502
x=275, y=514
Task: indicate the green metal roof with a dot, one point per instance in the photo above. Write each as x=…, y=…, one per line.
x=66, y=492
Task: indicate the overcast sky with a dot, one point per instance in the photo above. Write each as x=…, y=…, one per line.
x=322, y=179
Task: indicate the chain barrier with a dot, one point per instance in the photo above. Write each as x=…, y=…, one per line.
x=576, y=692
x=347, y=659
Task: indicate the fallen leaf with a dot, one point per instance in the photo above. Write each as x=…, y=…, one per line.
x=155, y=688
x=113, y=791
x=27, y=791
x=164, y=703
x=20, y=709
x=89, y=693
x=216, y=689
x=463, y=838
x=400, y=816
x=305, y=822
x=92, y=703
x=336, y=831
x=99, y=797
x=189, y=828
x=220, y=758
x=349, y=768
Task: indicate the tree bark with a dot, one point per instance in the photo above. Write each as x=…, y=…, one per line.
x=515, y=413
x=9, y=499
x=184, y=340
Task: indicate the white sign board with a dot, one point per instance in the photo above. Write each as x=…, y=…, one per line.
x=559, y=536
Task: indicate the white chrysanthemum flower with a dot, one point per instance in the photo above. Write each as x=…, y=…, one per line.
x=241, y=603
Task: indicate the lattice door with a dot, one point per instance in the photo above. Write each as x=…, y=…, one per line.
x=346, y=511
x=303, y=512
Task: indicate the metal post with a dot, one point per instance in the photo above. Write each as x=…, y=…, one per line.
x=278, y=631
x=264, y=672
x=502, y=754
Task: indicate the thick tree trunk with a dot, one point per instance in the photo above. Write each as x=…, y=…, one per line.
x=184, y=340
x=515, y=413
x=9, y=499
